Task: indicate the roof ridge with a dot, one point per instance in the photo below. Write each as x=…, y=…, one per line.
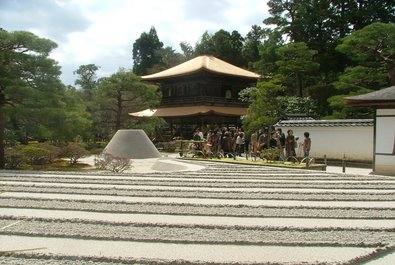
x=206, y=62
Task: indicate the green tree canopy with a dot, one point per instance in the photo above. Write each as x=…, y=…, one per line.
x=120, y=94
x=321, y=24
x=204, y=45
x=297, y=105
x=296, y=66
x=87, y=79
x=168, y=58
x=266, y=65
x=33, y=101
x=27, y=75
x=252, y=41
x=187, y=50
x=372, y=44
x=224, y=45
x=145, y=52
x=264, y=108
x=372, y=54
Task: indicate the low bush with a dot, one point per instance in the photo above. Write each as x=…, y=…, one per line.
x=53, y=151
x=113, y=163
x=13, y=157
x=34, y=155
x=167, y=146
x=94, y=146
x=17, y=156
x=73, y=152
x=28, y=156
x=270, y=154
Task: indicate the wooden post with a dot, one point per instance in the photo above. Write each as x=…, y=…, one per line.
x=344, y=164
x=181, y=151
x=325, y=162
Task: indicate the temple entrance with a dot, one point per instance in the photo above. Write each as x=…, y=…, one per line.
x=183, y=128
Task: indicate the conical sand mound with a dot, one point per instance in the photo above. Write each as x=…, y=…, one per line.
x=133, y=144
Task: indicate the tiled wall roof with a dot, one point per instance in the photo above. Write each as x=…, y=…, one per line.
x=325, y=123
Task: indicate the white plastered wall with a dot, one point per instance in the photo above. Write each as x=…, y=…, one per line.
x=385, y=137
x=354, y=142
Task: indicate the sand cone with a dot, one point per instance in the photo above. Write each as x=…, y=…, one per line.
x=132, y=144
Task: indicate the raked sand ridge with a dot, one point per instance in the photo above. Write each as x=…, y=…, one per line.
x=167, y=211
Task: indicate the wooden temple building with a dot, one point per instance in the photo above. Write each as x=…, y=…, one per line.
x=200, y=93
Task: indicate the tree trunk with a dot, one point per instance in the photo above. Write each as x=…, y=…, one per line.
x=299, y=84
x=2, y=139
x=119, y=111
x=390, y=73
x=393, y=150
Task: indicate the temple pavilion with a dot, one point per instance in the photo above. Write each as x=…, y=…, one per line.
x=200, y=93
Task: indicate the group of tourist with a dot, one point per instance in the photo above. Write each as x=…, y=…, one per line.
x=285, y=144
x=233, y=142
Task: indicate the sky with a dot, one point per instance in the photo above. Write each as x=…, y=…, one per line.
x=102, y=32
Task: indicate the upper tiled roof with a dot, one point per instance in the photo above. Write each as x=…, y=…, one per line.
x=204, y=62
x=325, y=123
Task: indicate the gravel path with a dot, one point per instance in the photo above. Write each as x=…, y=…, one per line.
x=224, y=213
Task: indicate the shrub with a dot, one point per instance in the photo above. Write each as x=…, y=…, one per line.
x=112, y=163
x=167, y=146
x=13, y=157
x=271, y=154
x=53, y=151
x=170, y=146
x=73, y=152
x=34, y=155
x=96, y=147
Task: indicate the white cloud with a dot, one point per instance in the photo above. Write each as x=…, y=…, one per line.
x=103, y=32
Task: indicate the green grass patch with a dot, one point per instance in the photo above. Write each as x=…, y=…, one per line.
x=59, y=165
x=261, y=162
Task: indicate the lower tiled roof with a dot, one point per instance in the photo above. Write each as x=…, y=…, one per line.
x=184, y=111
x=325, y=123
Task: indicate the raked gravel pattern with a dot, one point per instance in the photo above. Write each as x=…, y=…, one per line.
x=231, y=185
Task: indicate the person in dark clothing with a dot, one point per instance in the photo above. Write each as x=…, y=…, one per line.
x=274, y=142
x=282, y=139
x=306, y=144
x=290, y=144
x=263, y=140
x=226, y=144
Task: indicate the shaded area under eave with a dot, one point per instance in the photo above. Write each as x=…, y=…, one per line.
x=191, y=111
x=203, y=62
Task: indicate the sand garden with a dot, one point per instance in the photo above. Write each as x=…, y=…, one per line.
x=167, y=211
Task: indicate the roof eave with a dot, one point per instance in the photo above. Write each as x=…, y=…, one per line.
x=161, y=78
x=371, y=103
